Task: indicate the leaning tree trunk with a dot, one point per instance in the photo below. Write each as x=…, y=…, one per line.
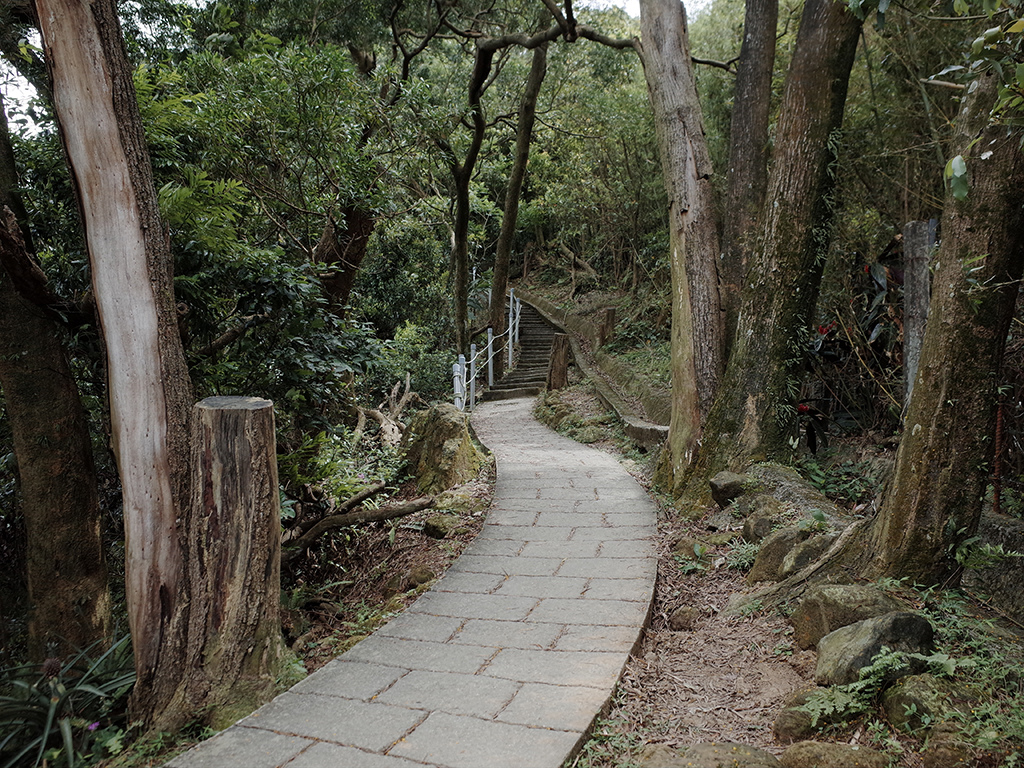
x=934, y=501
x=697, y=330
x=503, y=249
x=149, y=389
x=66, y=567
x=748, y=152
x=754, y=416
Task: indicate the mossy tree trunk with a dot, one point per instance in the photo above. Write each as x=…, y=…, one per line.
x=747, y=179
x=754, y=415
x=503, y=249
x=697, y=330
x=66, y=566
x=934, y=500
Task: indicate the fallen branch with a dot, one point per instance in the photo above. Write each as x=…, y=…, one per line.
x=353, y=518
x=350, y=503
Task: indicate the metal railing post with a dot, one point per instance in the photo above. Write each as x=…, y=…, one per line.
x=511, y=315
x=490, y=357
x=472, y=376
x=459, y=383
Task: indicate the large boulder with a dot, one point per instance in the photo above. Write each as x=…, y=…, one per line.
x=814, y=754
x=439, y=449
x=805, y=553
x=844, y=652
x=828, y=607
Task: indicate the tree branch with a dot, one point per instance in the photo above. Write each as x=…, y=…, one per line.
x=353, y=518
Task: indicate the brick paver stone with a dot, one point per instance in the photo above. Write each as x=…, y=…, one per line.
x=510, y=657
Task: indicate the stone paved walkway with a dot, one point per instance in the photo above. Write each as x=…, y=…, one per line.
x=508, y=660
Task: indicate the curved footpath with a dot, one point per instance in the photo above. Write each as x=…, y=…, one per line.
x=511, y=656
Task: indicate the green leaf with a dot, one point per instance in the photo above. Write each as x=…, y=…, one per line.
x=956, y=174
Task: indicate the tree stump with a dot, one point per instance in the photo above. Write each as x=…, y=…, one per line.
x=558, y=368
x=233, y=559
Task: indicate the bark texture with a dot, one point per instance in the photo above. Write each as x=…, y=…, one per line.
x=66, y=567
x=754, y=416
x=233, y=541
x=747, y=179
x=149, y=389
x=934, y=500
x=503, y=249
x=697, y=329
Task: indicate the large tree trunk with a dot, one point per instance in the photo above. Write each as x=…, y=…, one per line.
x=503, y=249
x=748, y=152
x=66, y=567
x=340, y=253
x=754, y=416
x=697, y=330
x=149, y=388
x=934, y=500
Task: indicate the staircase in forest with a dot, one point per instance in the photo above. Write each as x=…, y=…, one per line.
x=529, y=377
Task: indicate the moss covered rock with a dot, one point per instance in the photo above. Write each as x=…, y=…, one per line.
x=439, y=449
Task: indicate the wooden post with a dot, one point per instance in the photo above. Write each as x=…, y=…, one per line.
x=558, y=368
x=233, y=558
x=918, y=242
x=606, y=328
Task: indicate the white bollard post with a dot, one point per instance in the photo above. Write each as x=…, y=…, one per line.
x=508, y=330
x=490, y=357
x=459, y=385
x=472, y=376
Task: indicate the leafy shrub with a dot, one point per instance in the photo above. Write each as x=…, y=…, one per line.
x=71, y=712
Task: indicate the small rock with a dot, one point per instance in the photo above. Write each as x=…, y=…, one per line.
x=814, y=754
x=686, y=548
x=722, y=538
x=794, y=724
x=805, y=553
x=726, y=486
x=440, y=526
x=827, y=607
x=947, y=749
x=661, y=756
x=916, y=701
x=683, y=618
x=712, y=754
x=844, y=652
x=420, y=575
x=768, y=565
x=757, y=527
x=720, y=521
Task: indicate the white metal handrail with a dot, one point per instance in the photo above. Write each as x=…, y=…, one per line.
x=464, y=374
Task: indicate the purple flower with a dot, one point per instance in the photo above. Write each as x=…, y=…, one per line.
x=93, y=726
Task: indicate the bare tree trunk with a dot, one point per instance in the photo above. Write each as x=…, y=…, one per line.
x=748, y=152
x=934, y=500
x=503, y=249
x=754, y=416
x=149, y=388
x=697, y=330
x=66, y=566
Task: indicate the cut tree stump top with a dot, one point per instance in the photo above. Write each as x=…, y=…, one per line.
x=510, y=657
